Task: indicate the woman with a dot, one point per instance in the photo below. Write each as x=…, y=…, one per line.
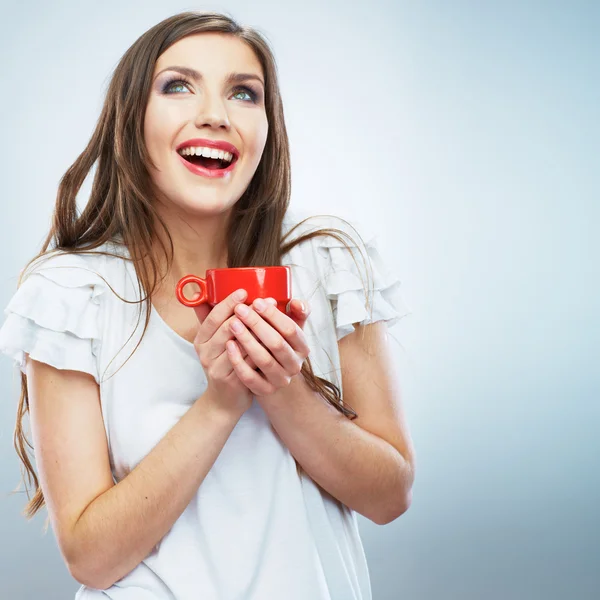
x=188, y=460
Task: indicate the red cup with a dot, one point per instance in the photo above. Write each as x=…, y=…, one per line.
x=259, y=282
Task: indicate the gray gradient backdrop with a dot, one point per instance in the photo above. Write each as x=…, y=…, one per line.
x=467, y=134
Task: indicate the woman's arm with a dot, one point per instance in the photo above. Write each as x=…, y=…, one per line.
x=105, y=530
x=121, y=527
x=367, y=463
x=357, y=467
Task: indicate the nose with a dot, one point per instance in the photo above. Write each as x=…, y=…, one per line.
x=212, y=112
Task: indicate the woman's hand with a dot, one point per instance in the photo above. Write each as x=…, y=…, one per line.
x=213, y=333
x=273, y=341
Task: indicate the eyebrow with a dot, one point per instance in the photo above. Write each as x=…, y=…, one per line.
x=193, y=74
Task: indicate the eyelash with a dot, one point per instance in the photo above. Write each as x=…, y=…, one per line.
x=253, y=95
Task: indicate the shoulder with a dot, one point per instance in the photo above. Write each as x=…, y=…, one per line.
x=66, y=291
x=76, y=269
x=336, y=240
x=357, y=277
x=68, y=280
x=301, y=221
x=55, y=315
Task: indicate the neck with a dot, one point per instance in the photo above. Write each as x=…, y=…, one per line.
x=199, y=244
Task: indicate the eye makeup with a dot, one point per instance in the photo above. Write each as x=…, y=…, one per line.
x=254, y=96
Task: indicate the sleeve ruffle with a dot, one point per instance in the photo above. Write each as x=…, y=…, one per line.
x=54, y=316
x=345, y=282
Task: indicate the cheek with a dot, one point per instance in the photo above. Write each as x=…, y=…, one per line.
x=263, y=132
x=160, y=123
x=256, y=138
x=152, y=134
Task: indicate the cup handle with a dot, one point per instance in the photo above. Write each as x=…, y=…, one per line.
x=202, y=298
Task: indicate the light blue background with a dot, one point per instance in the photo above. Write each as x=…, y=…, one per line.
x=466, y=134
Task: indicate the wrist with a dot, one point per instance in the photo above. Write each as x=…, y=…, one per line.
x=214, y=409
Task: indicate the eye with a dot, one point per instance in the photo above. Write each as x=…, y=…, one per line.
x=181, y=82
x=171, y=83
x=242, y=88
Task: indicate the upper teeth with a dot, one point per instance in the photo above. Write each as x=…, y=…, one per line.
x=207, y=152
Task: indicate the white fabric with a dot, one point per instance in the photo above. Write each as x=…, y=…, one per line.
x=255, y=529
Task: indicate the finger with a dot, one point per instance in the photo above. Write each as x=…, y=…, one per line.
x=277, y=370
x=283, y=324
x=300, y=307
x=214, y=319
x=276, y=345
x=245, y=355
x=299, y=315
x=253, y=380
x=250, y=362
x=298, y=311
x=216, y=345
x=222, y=366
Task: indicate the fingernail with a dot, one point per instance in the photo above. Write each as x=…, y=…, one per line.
x=239, y=294
x=237, y=326
x=302, y=307
x=260, y=304
x=242, y=310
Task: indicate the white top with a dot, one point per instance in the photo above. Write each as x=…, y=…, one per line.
x=255, y=529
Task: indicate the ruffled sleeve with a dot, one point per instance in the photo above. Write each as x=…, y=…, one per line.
x=54, y=316
x=345, y=281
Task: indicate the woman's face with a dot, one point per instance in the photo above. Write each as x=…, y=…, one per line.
x=182, y=107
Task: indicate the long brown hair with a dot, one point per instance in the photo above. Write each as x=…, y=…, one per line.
x=120, y=199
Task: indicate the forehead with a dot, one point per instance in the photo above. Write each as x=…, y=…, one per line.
x=210, y=53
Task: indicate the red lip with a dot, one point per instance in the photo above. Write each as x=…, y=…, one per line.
x=212, y=173
x=218, y=144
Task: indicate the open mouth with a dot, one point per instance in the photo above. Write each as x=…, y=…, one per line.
x=214, y=164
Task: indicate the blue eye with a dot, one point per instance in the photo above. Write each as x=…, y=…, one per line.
x=242, y=88
x=184, y=83
x=171, y=83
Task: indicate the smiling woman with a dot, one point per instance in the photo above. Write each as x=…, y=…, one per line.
x=169, y=470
